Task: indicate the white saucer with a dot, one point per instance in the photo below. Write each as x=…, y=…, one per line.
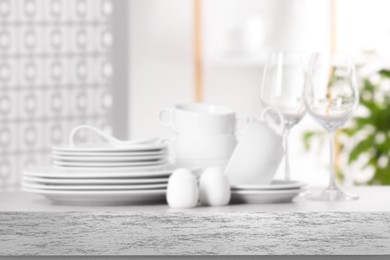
x=31, y=185
x=264, y=196
x=94, y=198
x=275, y=185
x=79, y=181
x=61, y=173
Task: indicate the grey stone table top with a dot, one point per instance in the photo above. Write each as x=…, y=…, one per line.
x=31, y=225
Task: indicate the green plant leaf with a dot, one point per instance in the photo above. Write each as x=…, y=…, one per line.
x=361, y=148
x=350, y=131
x=307, y=138
x=363, y=121
x=381, y=176
x=368, y=86
x=385, y=73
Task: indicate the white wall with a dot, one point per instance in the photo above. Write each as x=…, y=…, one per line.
x=160, y=68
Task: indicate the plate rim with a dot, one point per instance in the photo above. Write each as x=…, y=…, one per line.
x=108, y=154
x=107, y=159
x=149, y=147
x=265, y=192
x=93, y=187
x=116, y=169
x=70, y=181
x=298, y=184
x=107, y=164
x=66, y=173
x=97, y=193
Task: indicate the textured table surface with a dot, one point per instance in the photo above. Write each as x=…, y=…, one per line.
x=31, y=225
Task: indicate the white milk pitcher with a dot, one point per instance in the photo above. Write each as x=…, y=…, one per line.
x=259, y=152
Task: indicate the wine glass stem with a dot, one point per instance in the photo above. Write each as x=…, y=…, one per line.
x=286, y=156
x=332, y=180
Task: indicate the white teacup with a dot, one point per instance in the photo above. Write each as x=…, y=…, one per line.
x=258, y=154
x=199, y=118
x=201, y=163
x=209, y=147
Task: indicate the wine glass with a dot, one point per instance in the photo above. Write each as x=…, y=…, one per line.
x=282, y=87
x=331, y=96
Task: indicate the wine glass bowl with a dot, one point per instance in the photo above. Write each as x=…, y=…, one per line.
x=331, y=96
x=282, y=88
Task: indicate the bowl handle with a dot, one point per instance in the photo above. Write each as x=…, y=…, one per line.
x=112, y=140
x=165, y=116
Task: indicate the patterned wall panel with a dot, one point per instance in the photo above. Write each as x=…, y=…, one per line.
x=55, y=72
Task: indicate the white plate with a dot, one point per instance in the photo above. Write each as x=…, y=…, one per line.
x=109, y=148
x=108, y=164
x=108, y=158
x=108, y=154
x=32, y=185
x=61, y=173
x=264, y=196
x=79, y=181
x=93, y=198
x=275, y=185
x=71, y=170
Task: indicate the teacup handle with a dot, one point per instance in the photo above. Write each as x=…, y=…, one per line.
x=279, y=123
x=165, y=116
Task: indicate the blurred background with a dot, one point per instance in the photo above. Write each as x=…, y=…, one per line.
x=115, y=64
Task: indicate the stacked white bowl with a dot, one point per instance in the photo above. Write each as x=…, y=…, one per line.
x=204, y=134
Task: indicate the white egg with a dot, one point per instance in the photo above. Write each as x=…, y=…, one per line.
x=214, y=187
x=182, y=191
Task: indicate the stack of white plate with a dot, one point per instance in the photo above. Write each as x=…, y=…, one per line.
x=103, y=175
x=97, y=157
x=279, y=191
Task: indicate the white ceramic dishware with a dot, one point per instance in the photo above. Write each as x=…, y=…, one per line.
x=214, y=187
x=274, y=185
x=182, y=191
x=81, y=154
x=209, y=147
x=111, y=139
x=32, y=185
x=94, y=181
x=259, y=153
x=201, y=163
x=107, y=159
x=199, y=118
x=52, y=172
x=100, y=169
x=264, y=196
x=105, y=148
x=107, y=164
x=97, y=198
x=121, y=172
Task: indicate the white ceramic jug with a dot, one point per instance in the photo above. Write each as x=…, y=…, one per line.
x=258, y=154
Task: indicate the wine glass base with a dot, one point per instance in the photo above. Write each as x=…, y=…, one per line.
x=331, y=194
